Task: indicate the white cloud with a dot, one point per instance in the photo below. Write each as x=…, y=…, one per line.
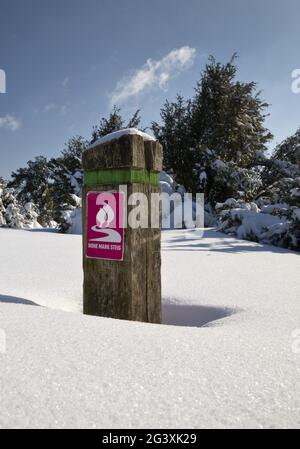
x=154, y=74
x=10, y=122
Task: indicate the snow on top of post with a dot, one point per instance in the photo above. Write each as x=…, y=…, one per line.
x=120, y=133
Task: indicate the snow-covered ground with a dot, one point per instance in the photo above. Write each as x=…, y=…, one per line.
x=62, y=369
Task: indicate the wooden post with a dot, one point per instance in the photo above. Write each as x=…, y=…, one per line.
x=128, y=289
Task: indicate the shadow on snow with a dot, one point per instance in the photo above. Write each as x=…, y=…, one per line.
x=172, y=314
x=16, y=300
x=193, y=315
x=189, y=241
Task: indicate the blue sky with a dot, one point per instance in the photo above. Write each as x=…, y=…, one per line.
x=67, y=61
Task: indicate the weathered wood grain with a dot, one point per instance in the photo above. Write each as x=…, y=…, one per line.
x=128, y=289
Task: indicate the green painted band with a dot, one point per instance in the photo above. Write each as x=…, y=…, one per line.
x=120, y=176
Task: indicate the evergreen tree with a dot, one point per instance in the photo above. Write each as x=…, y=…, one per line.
x=53, y=186
x=289, y=149
x=2, y=207
x=228, y=115
x=33, y=184
x=180, y=156
x=114, y=122
x=219, y=180
x=12, y=214
x=285, y=161
x=71, y=155
x=135, y=120
x=222, y=124
x=66, y=175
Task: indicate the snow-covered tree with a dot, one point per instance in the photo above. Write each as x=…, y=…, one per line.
x=2, y=208
x=10, y=209
x=14, y=214
x=285, y=161
x=67, y=178
x=273, y=218
x=220, y=180
x=289, y=149
x=33, y=184
x=53, y=186
x=284, y=191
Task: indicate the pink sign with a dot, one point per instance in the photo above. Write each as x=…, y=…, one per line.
x=105, y=225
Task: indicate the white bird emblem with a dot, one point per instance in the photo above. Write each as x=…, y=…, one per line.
x=105, y=216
